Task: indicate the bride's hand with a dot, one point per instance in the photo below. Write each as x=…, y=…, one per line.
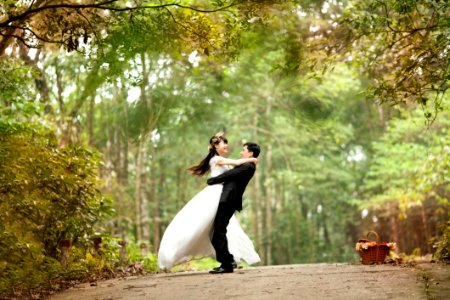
x=254, y=160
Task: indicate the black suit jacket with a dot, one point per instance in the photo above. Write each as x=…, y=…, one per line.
x=234, y=183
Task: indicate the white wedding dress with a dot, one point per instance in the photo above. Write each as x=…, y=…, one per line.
x=189, y=234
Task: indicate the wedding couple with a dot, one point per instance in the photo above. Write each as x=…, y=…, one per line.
x=206, y=225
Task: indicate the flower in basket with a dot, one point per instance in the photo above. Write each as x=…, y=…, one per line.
x=364, y=245
x=391, y=245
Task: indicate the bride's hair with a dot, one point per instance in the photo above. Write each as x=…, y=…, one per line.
x=203, y=167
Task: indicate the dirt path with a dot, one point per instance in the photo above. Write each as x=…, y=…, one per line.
x=309, y=281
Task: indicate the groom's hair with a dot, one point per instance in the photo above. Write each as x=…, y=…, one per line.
x=253, y=147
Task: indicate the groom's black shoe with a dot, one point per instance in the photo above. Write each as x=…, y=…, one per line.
x=221, y=270
x=233, y=264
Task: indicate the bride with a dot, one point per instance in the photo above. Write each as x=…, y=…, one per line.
x=189, y=234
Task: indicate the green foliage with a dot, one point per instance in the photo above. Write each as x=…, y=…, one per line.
x=53, y=191
x=149, y=261
x=402, y=46
x=206, y=263
x=47, y=194
x=16, y=88
x=406, y=184
x=441, y=243
x=410, y=162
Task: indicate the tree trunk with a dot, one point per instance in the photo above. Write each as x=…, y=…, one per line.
x=156, y=207
x=108, y=166
x=426, y=231
x=118, y=140
x=258, y=202
x=392, y=213
x=278, y=241
x=6, y=40
x=268, y=204
x=259, y=217
x=124, y=153
x=146, y=140
x=253, y=216
x=60, y=87
x=297, y=243
x=90, y=121
x=381, y=117
x=152, y=196
x=326, y=234
x=40, y=81
x=141, y=200
x=137, y=198
x=145, y=210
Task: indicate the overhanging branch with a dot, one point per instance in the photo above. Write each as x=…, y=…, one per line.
x=18, y=38
x=106, y=5
x=36, y=35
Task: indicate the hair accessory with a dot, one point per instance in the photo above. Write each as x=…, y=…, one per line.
x=215, y=140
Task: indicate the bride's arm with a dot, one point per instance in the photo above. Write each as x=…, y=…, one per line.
x=236, y=162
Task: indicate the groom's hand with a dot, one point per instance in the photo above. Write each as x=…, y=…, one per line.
x=210, y=181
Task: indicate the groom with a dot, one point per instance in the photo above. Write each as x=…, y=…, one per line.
x=234, y=183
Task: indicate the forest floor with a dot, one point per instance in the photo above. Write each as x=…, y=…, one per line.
x=307, y=281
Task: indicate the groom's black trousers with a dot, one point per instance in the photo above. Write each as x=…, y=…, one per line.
x=219, y=238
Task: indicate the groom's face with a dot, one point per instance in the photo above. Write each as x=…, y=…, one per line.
x=245, y=153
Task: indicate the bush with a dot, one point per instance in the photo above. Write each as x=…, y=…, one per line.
x=442, y=243
x=149, y=262
x=47, y=194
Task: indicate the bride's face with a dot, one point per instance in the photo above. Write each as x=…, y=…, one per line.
x=222, y=148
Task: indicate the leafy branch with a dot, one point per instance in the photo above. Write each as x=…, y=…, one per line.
x=66, y=28
x=106, y=5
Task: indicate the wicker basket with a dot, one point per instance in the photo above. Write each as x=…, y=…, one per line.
x=374, y=254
